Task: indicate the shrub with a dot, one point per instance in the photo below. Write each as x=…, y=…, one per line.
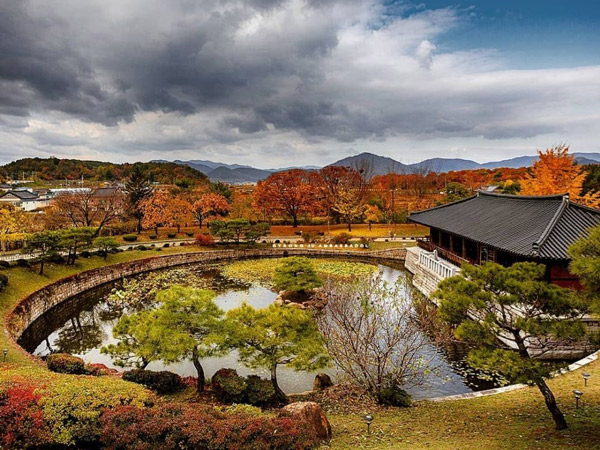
x=394, y=396
x=242, y=410
x=22, y=263
x=22, y=422
x=259, y=392
x=175, y=427
x=65, y=363
x=228, y=386
x=142, y=248
x=189, y=233
x=342, y=238
x=4, y=264
x=158, y=249
x=171, y=235
x=73, y=406
x=130, y=237
x=3, y=281
x=153, y=236
x=57, y=259
x=204, y=240
x=85, y=254
x=163, y=382
x=307, y=237
x=165, y=245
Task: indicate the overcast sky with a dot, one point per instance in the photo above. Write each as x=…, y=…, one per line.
x=275, y=83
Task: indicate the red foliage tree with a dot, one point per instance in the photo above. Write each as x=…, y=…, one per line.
x=287, y=193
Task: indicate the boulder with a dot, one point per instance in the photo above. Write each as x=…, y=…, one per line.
x=322, y=381
x=311, y=413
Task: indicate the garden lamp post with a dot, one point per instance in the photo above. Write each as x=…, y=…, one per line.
x=368, y=420
x=585, y=376
x=4, y=354
x=577, y=395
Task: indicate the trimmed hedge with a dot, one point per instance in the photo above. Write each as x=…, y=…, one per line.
x=171, y=235
x=228, y=386
x=130, y=237
x=4, y=264
x=3, y=281
x=177, y=427
x=162, y=382
x=65, y=363
x=22, y=262
x=394, y=396
x=260, y=392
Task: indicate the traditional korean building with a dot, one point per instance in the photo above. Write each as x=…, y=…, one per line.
x=504, y=229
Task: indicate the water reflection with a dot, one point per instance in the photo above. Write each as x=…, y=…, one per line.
x=83, y=324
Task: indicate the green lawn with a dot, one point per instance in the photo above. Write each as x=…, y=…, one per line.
x=514, y=421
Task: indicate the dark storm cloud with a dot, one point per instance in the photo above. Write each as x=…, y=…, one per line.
x=189, y=74
x=40, y=68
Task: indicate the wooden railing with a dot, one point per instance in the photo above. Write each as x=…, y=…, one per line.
x=427, y=245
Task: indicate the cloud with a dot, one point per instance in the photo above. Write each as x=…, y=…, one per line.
x=242, y=79
x=424, y=54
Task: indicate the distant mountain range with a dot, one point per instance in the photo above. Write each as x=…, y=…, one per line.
x=375, y=164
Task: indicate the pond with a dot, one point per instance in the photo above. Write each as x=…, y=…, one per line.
x=83, y=324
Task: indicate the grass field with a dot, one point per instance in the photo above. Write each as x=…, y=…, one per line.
x=516, y=420
x=358, y=230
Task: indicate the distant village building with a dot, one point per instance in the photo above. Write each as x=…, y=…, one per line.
x=501, y=228
x=26, y=199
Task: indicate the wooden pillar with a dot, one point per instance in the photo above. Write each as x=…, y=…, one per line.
x=464, y=248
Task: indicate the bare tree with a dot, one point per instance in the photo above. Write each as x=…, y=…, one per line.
x=371, y=332
x=90, y=207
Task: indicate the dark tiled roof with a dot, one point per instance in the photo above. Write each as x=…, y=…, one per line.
x=23, y=195
x=105, y=192
x=542, y=227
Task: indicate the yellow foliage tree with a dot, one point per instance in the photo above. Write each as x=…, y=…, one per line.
x=12, y=225
x=557, y=173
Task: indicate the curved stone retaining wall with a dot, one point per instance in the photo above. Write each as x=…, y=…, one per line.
x=38, y=303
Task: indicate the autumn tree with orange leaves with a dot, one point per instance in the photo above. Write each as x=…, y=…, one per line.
x=155, y=210
x=208, y=206
x=288, y=193
x=179, y=212
x=557, y=173
x=342, y=190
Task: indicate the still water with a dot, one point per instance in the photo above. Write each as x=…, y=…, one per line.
x=83, y=324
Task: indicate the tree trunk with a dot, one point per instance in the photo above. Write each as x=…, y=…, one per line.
x=200, y=371
x=370, y=225
x=42, y=266
x=139, y=225
x=295, y=221
x=278, y=392
x=557, y=415
x=349, y=226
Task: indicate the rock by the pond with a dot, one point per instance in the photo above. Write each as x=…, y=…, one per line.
x=311, y=413
x=322, y=381
x=296, y=305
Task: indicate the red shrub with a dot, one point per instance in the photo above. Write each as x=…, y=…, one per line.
x=175, y=427
x=204, y=240
x=22, y=422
